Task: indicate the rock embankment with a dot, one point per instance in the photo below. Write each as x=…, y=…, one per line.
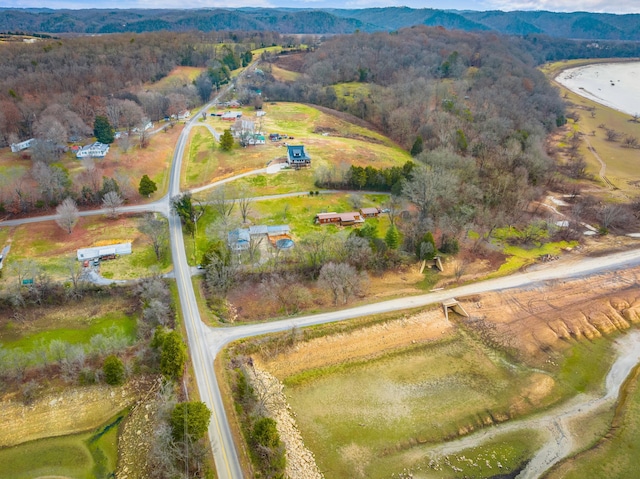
x=300, y=461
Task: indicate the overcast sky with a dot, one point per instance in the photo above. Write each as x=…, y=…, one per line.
x=609, y=6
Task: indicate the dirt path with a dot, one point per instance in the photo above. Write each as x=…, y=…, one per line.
x=555, y=425
x=603, y=165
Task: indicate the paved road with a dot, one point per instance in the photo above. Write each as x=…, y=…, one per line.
x=160, y=206
x=551, y=271
x=213, y=131
x=198, y=335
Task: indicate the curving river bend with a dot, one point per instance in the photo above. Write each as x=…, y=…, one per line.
x=556, y=423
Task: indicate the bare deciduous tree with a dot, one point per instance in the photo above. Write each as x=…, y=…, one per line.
x=157, y=233
x=244, y=203
x=287, y=291
x=614, y=215
x=460, y=266
x=76, y=276
x=111, y=202
x=221, y=202
x=67, y=215
x=342, y=280
x=394, y=206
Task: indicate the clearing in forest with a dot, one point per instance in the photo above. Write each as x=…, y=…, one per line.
x=330, y=139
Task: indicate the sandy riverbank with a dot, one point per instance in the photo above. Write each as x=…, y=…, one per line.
x=616, y=85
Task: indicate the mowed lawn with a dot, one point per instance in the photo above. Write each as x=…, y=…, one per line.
x=330, y=141
x=51, y=247
x=298, y=212
x=358, y=418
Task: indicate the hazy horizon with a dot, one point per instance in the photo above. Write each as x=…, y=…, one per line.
x=594, y=6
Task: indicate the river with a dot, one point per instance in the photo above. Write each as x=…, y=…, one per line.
x=616, y=85
x=557, y=425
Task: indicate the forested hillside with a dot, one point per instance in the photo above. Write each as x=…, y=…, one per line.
x=472, y=108
x=579, y=25
x=73, y=80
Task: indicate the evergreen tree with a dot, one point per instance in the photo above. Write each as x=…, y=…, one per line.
x=113, y=370
x=190, y=419
x=102, y=130
x=226, y=140
x=426, y=248
x=392, y=238
x=147, y=186
x=417, y=147
x=173, y=356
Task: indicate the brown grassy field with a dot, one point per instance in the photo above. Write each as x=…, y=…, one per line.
x=49, y=246
x=153, y=161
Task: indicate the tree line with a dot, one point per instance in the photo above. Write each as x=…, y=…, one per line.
x=471, y=107
x=75, y=79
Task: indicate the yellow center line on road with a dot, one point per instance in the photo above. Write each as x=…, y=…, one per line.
x=206, y=377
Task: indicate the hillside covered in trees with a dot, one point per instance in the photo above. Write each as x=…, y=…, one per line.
x=578, y=25
x=73, y=80
x=471, y=107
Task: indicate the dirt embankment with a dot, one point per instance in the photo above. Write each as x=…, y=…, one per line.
x=66, y=412
x=543, y=318
x=134, y=441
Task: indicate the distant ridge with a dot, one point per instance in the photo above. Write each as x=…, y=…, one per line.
x=578, y=25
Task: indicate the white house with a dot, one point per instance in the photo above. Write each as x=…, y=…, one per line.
x=231, y=115
x=23, y=145
x=102, y=251
x=96, y=150
x=183, y=115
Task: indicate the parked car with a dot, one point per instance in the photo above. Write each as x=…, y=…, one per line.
x=96, y=262
x=85, y=263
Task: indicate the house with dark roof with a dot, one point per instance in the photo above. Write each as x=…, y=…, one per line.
x=297, y=156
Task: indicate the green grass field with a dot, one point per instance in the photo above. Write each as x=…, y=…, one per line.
x=508, y=452
x=78, y=330
x=328, y=139
x=352, y=91
x=298, y=212
x=379, y=417
x=200, y=162
x=90, y=455
x=360, y=417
